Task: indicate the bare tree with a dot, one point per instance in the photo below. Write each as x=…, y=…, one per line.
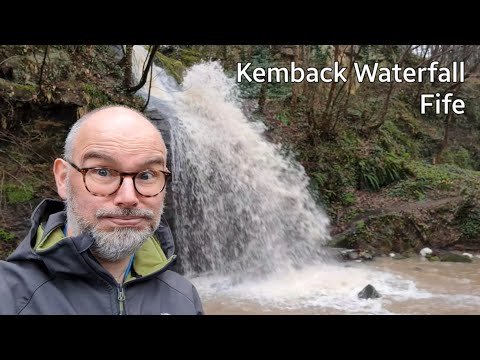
x=386, y=103
x=42, y=67
x=127, y=66
x=143, y=80
x=470, y=57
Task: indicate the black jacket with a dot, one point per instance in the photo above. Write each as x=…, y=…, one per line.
x=52, y=274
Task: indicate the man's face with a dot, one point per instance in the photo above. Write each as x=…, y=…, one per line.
x=120, y=222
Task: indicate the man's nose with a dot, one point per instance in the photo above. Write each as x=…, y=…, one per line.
x=126, y=196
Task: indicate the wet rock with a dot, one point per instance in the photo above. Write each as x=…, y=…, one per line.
x=354, y=255
x=365, y=255
x=368, y=292
x=451, y=257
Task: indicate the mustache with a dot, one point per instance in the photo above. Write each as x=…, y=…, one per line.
x=148, y=214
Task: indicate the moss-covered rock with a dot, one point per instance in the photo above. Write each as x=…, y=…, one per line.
x=172, y=66
x=451, y=257
x=18, y=92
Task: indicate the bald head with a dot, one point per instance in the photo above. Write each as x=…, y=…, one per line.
x=119, y=147
x=120, y=124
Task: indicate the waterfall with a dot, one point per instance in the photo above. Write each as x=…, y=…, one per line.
x=241, y=207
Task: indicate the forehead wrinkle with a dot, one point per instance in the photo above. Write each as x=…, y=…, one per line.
x=100, y=155
x=95, y=154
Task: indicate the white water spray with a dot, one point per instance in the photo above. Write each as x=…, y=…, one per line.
x=241, y=207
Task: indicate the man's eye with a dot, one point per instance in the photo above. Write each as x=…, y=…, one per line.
x=146, y=175
x=103, y=172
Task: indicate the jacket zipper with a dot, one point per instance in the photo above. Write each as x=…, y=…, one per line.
x=121, y=300
x=121, y=292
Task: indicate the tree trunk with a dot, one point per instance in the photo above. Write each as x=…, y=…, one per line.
x=446, y=124
x=386, y=103
x=262, y=97
x=295, y=86
x=327, y=113
x=41, y=69
x=127, y=66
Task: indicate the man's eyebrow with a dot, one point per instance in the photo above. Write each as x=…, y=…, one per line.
x=98, y=155
x=155, y=160
x=94, y=154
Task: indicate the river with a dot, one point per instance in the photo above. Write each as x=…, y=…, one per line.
x=409, y=286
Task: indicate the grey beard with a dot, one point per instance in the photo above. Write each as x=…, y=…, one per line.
x=113, y=245
x=118, y=244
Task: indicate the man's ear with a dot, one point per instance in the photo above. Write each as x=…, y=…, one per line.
x=60, y=172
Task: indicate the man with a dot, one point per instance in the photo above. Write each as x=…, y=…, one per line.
x=108, y=250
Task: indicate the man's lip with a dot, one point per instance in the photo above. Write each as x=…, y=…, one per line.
x=125, y=220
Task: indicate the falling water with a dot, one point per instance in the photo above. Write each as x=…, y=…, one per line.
x=240, y=206
x=242, y=211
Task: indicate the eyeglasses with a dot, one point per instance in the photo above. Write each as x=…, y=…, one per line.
x=102, y=181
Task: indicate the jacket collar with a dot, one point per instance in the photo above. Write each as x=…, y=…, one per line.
x=69, y=256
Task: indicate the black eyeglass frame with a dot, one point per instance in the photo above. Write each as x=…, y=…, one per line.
x=122, y=175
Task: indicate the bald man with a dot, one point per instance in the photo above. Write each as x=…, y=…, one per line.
x=106, y=249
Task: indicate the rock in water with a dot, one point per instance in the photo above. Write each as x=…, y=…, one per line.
x=368, y=292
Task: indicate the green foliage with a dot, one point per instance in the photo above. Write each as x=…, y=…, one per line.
x=360, y=225
x=283, y=117
x=410, y=189
x=395, y=140
x=471, y=226
x=468, y=218
x=189, y=57
x=17, y=194
x=426, y=177
x=5, y=236
x=320, y=54
x=347, y=198
x=458, y=156
x=262, y=57
x=380, y=170
x=94, y=96
x=336, y=167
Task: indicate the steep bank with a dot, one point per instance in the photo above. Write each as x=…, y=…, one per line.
x=43, y=91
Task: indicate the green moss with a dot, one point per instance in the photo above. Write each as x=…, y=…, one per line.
x=172, y=66
x=189, y=57
x=455, y=258
x=10, y=89
x=16, y=193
